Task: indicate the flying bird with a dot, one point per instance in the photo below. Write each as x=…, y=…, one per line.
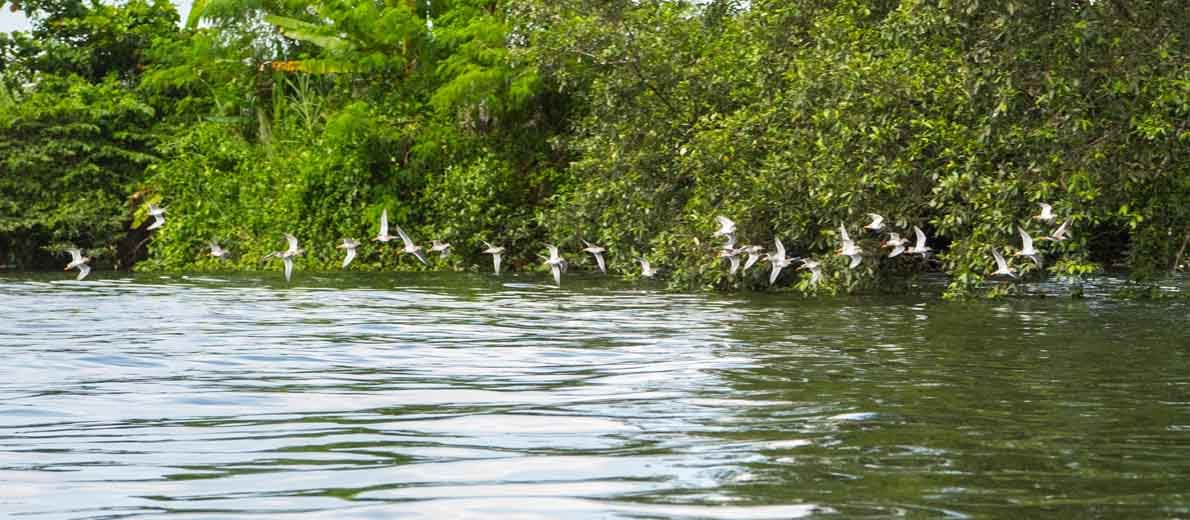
x=1060, y=234
x=496, y=252
x=349, y=244
x=217, y=251
x=383, y=235
x=410, y=247
x=733, y=256
x=158, y=214
x=597, y=252
x=287, y=255
x=753, y=255
x=557, y=264
x=78, y=261
x=646, y=270
x=877, y=222
x=1001, y=265
x=1027, y=247
x=920, y=248
x=897, y=243
x=1047, y=213
x=849, y=249
x=815, y=268
x=778, y=260
x=440, y=247
x=726, y=226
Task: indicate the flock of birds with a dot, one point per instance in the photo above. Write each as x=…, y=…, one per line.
x=751, y=254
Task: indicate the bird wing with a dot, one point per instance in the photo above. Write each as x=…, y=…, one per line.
x=1001, y=264
x=776, y=272
x=76, y=255
x=599, y=260
x=350, y=256
x=844, y=236
x=735, y=263
x=158, y=221
x=496, y=262
x=383, y=223
x=780, y=248
x=84, y=270
x=644, y=266
x=288, y=267
x=420, y=256
x=556, y=270
x=877, y=220
x=896, y=251
x=921, y=238
x=293, y=242
x=1026, y=240
x=553, y=253
x=405, y=238
x=725, y=224
x=855, y=260
x=1061, y=231
x=752, y=258
x=1046, y=209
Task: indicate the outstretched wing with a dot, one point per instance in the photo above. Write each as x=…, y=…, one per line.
x=877, y=221
x=1060, y=233
x=496, y=262
x=350, y=256
x=844, y=236
x=780, y=248
x=776, y=272
x=76, y=255
x=383, y=223
x=725, y=223
x=405, y=238
x=1001, y=264
x=288, y=267
x=921, y=238
x=599, y=260
x=293, y=242
x=84, y=270
x=896, y=251
x=1026, y=240
x=556, y=270
x=420, y=256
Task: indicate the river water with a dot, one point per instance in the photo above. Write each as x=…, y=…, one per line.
x=468, y=396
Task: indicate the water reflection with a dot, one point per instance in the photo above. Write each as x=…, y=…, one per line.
x=419, y=396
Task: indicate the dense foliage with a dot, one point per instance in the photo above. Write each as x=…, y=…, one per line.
x=627, y=123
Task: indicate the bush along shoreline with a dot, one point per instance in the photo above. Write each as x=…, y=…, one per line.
x=631, y=125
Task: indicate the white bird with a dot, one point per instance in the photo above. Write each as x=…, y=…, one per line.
x=726, y=226
x=287, y=255
x=897, y=243
x=1001, y=265
x=920, y=248
x=349, y=244
x=383, y=235
x=849, y=249
x=496, y=252
x=646, y=270
x=158, y=214
x=1060, y=234
x=77, y=260
x=733, y=256
x=440, y=247
x=410, y=247
x=815, y=268
x=778, y=260
x=1027, y=247
x=753, y=255
x=557, y=264
x=1047, y=213
x=597, y=252
x=877, y=222
x=217, y=251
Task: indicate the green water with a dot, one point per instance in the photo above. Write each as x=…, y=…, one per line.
x=471, y=396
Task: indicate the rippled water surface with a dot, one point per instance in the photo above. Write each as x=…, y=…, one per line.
x=465, y=396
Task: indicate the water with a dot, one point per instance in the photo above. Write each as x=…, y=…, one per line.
x=461, y=396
